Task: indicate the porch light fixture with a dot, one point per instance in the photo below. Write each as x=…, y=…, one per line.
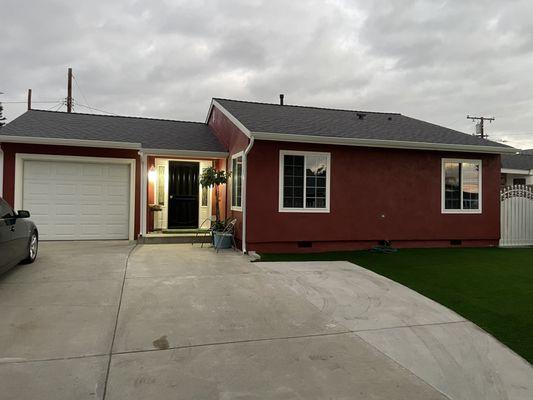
x=152, y=175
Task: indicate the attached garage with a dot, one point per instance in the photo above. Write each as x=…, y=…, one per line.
x=77, y=198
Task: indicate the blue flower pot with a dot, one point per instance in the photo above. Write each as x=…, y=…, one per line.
x=222, y=240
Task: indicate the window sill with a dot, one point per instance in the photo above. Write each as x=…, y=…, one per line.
x=461, y=211
x=304, y=210
x=236, y=208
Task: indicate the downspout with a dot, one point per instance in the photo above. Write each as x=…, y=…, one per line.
x=244, y=190
x=144, y=192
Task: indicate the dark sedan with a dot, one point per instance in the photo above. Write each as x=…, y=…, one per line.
x=19, y=239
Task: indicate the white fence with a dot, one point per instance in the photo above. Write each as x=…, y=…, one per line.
x=516, y=216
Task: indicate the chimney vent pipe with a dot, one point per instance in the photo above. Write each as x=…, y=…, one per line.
x=281, y=96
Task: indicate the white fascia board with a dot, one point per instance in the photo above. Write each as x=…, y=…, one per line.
x=69, y=142
x=209, y=112
x=230, y=116
x=186, y=153
x=396, y=144
x=517, y=171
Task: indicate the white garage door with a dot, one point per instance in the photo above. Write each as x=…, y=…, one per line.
x=77, y=201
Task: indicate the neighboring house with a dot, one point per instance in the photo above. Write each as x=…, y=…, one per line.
x=304, y=178
x=517, y=169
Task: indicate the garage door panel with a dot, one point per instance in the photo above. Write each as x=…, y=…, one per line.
x=93, y=170
x=76, y=201
x=38, y=169
x=66, y=189
x=91, y=210
x=65, y=170
x=91, y=190
x=115, y=210
x=117, y=190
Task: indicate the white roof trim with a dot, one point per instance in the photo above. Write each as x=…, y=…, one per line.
x=397, y=144
x=186, y=153
x=69, y=142
x=110, y=145
x=517, y=171
x=230, y=116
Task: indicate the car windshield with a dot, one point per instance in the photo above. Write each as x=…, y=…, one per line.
x=5, y=210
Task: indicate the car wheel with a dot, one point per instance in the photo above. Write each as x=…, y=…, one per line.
x=33, y=246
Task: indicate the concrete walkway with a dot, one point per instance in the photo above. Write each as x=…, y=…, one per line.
x=102, y=319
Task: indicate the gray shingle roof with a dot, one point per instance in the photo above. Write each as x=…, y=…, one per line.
x=151, y=133
x=518, y=161
x=313, y=121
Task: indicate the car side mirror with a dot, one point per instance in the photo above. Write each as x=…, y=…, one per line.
x=23, y=214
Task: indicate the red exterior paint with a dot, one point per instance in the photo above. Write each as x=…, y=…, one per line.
x=235, y=141
x=405, y=185
x=11, y=149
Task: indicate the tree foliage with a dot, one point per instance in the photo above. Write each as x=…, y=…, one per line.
x=2, y=118
x=211, y=177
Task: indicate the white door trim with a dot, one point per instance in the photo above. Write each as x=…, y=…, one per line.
x=19, y=176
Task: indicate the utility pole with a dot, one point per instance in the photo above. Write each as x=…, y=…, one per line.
x=69, y=91
x=29, y=99
x=481, y=132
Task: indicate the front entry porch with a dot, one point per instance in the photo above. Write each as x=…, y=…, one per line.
x=177, y=208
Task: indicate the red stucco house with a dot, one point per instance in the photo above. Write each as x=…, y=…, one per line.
x=304, y=178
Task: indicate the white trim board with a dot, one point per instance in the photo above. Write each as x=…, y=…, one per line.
x=443, y=188
x=395, y=144
x=230, y=116
x=517, y=171
x=234, y=156
x=162, y=153
x=69, y=142
x=19, y=177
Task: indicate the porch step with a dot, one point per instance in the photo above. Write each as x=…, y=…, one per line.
x=173, y=238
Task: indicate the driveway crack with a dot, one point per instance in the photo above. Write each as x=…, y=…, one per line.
x=110, y=353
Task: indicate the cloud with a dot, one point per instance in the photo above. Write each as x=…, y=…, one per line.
x=434, y=60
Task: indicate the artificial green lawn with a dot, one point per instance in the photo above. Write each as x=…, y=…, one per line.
x=491, y=287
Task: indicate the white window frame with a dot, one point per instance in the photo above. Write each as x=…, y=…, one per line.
x=282, y=154
x=234, y=156
x=443, y=186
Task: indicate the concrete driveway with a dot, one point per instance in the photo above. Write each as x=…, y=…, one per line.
x=96, y=319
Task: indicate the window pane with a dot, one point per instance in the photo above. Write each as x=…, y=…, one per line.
x=315, y=173
x=452, y=186
x=470, y=186
x=205, y=194
x=293, y=181
x=161, y=185
x=5, y=210
x=236, y=182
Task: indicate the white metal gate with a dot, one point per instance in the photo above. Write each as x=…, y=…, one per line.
x=516, y=216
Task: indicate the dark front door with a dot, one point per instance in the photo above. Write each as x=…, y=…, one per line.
x=183, y=187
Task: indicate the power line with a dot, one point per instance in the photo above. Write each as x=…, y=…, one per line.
x=79, y=88
x=56, y=106
x=25, y=101
x=95, y=109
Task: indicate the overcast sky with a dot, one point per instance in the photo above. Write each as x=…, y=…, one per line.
x=433, y=60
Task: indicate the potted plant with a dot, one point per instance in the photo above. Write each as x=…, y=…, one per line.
x=211, y=177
